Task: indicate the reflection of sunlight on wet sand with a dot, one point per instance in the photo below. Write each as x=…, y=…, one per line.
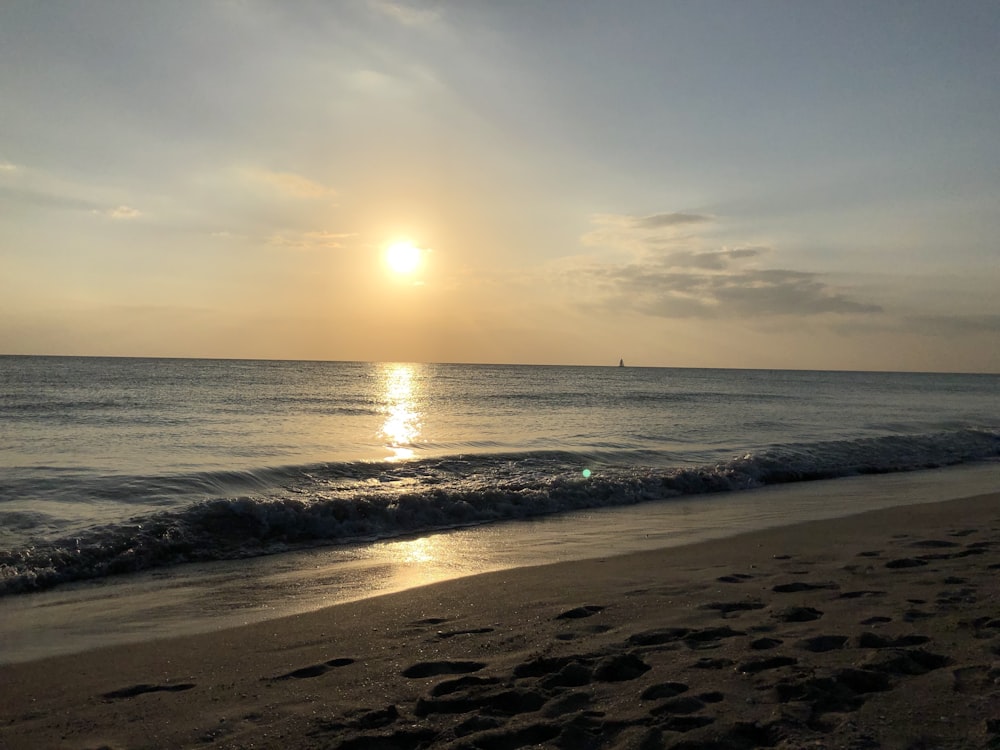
x=425, y=560
x=416, y=551
x=402, y=422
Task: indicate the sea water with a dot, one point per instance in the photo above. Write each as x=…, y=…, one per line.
x=185, y=475
x=113, y=465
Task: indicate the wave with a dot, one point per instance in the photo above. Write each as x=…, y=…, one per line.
x=338, y=503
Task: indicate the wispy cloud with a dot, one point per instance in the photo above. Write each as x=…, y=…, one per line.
x=292, y=184
x=713, y=260
x=406, y=13
x=320, y=240
x=123, y=212
x=638, y=234
x=656, y=221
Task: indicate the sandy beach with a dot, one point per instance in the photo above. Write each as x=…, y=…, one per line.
x=880, y=630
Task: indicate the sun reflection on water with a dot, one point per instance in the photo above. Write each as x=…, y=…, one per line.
x=402, y=417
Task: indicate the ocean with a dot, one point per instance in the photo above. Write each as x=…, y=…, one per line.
x=148, y=497
x=112, y=466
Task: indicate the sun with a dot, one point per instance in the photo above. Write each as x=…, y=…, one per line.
x=403, y=257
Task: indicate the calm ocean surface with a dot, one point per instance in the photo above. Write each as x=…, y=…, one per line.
x=114, y=465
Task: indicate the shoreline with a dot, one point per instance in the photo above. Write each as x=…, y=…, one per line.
x=204, y=597
x=875, y=630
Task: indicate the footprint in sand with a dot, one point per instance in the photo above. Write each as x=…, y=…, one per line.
x=132, y=692
x=709, y=638
x=725, y=608
x=664, y=690
x=435, y=668
x=462, y=683
x=364, y=719
x=821, y=643
x=508, y=701
x=674, y=723
x=574, y=674
x=861, y=594
x=907, y=662
x=798, y=614
x=591, y=630
x=976, y=679
x=983, y=627
x=658, y=637
x=797, y=586
x=843, y=690
x=873, y=640
x=544, y=665
x=876, y=620
x=315, y=670
x=734, y=578
x=933, y=544
x=430, y=621
x=578, y=613
x=620, y=667
x=707, y=662
x=682, y=705
x=471, y=631
x=402, y=738
x=567, y=703
x=760, y=665
x=530, y=735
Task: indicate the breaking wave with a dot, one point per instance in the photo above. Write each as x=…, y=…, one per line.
x=289, y=507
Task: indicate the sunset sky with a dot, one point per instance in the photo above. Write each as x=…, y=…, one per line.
x=721, y=184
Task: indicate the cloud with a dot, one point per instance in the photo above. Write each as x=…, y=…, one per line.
x=292, y=184
x=715, y=260
x=639, y=234
x=408, y=14
x=6, y=166
x=674, y=275
x=656, y=221
x=310, y=240
x=124, y=212
x=662, y=290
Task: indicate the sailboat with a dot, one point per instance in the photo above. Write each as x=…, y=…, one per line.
x=621, y=362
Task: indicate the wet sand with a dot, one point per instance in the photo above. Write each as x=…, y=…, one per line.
x=880, y=630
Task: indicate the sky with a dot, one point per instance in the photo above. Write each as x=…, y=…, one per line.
x=742, y=183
